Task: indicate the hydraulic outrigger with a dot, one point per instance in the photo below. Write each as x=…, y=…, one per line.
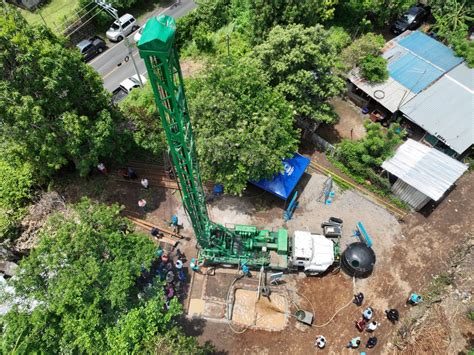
x=218, y=244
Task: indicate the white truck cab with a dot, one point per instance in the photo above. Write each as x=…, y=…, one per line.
x=314, y=253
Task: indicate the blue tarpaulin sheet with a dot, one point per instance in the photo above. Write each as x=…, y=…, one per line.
x=283, y=184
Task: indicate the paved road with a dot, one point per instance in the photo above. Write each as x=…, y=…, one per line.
x=111, y=64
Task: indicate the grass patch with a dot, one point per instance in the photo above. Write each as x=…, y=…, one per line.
x=386, y=193
x=437, y=286
x=54, y=13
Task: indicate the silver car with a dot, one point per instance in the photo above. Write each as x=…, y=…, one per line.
x=129, y=24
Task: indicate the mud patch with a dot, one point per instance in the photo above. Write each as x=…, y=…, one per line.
x=264, y=313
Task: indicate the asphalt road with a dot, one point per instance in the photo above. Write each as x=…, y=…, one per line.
x=111, y=64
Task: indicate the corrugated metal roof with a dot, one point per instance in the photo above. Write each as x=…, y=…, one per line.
x=411, y=66
x=430, y=50
x=410, y=195
x=446, y=109
x=426, y=169
x=390, y=94
x=413, y=72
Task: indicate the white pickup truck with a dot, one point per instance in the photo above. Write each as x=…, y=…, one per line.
x=126, y=87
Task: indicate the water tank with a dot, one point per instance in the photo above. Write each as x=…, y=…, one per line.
x=358, y=260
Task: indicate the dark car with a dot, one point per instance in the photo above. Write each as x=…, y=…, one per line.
x=411, y=20
x=89, y=48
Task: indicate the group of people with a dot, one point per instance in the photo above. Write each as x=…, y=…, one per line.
x=172, y=272
x=368, y=324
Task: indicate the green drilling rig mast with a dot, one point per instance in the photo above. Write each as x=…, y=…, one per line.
x=218, y=244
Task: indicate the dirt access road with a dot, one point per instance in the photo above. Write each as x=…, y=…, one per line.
x=421, y=250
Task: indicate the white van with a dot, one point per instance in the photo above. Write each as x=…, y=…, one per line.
x=129, y=24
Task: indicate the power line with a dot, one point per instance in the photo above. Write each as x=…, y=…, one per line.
x=85, y=23
x=80, y=19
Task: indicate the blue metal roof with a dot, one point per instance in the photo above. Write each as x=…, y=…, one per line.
x=413, y=73
x=430, y=50
x=284, y=183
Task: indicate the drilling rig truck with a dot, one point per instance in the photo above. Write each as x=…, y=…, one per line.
x=218, y=245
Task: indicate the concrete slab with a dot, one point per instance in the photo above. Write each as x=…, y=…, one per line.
x=214, y=310
x=196, y=307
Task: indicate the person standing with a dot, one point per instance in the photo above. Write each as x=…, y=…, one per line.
x=354, y=343
x=371, y=342
x=368, y=313
x=414, y=299
x=392, y=315
x=142, y=204
x=144, y=183
x=320, y=342
x=102, y=168
x=372, y=326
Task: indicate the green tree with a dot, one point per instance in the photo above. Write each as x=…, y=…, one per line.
x=374, y=69
x=267, y=14
x=16, y=185
x=143, y=120
x=243, y=127
x=299, y=62
x=368, y=44
x=364, y=157
x=453, y=20
x=80, y=288
x=53, y=108
x=364, y=15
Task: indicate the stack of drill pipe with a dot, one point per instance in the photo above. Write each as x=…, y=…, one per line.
x=147, y=225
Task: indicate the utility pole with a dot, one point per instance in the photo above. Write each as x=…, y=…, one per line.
x=114, y=13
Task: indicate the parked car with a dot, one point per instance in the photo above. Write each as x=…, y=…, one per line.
x=91, y=47
x=411, y=20
x=129, y=25
x=138, y=35
x=126, y=87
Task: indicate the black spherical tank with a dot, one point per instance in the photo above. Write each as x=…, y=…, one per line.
x=358, y=260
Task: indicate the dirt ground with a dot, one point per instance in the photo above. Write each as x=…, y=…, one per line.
x=408, y=253
x=350, y=125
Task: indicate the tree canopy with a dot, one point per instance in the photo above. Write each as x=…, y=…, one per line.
x=53, y=108
x=364, y=157
x=374, y=69
x=79, y=290
x=453, y=20
x=144, y=122
x=299, y=62
x=267, y=14
x=368, y=44
x=243, y=127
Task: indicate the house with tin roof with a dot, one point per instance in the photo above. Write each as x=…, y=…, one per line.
x=428, y=87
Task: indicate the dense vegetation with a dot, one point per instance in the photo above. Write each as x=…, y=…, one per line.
x=243, y=127
x=53, y=108
x=374, y=69
x=362, y=159
x=83, y=289
x=299, y=62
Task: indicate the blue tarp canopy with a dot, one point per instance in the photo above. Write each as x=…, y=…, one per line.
x=283, y=184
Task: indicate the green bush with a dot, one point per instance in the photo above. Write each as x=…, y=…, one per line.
x=374, y=69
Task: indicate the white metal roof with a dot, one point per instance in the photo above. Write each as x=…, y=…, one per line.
x=446, y=109
x=426, y=169
x=390, y=94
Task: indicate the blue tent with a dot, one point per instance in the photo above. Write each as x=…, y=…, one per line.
x=283, y=184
